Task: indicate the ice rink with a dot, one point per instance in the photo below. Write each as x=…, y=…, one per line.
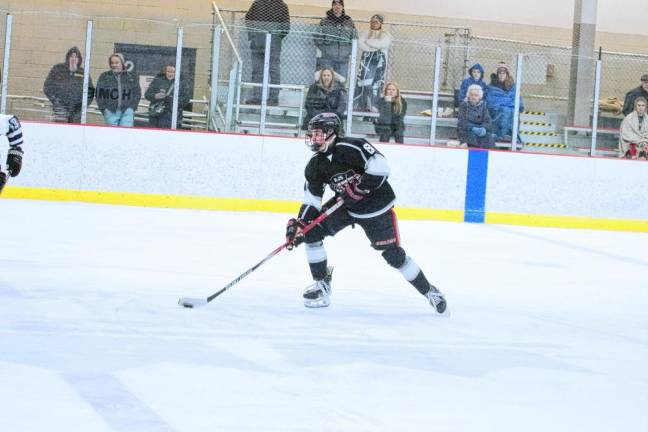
x=548, y=328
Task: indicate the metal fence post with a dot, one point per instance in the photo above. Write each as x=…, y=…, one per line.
x=176, y=81
x=516, y=108
x=595, y=109
x=86, y=73
x=5, y=65
x=266, y=78
x=213, y=96
x=352, y=85
x=435, y=94
x=231, y=94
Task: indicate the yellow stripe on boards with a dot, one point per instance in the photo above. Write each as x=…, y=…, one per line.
x=200, y=203
x=566, y=222
x=281, y=206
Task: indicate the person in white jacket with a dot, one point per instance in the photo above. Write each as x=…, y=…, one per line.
x=374, y=44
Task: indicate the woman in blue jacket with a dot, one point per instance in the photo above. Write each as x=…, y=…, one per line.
x=475, y=76
x=501, y=102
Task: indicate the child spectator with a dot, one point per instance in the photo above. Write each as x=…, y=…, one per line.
x=160, y=96
x=392, y=108
x=500, y=100
x=642, y=90
x=474, y=125
x=325, y=95
x=374, y=44
x=633, y=139
x=334, y=41
x=118, y=93
x=475, y=76
x=64, y=88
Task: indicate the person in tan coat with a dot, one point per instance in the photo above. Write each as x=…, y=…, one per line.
x=633, y=139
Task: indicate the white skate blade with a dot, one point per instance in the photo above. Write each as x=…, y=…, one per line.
x=190, y=303
x=317, y=303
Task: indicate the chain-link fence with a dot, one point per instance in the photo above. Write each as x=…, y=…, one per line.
x=224, y=67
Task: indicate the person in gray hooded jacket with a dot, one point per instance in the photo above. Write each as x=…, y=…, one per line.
x=118, y=93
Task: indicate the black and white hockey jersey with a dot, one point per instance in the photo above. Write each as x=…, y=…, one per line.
x=349, y=159
x=10, y=126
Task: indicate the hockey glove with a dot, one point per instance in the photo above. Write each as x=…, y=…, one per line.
x=14, y=161
x=294, y=233
x=352, y=194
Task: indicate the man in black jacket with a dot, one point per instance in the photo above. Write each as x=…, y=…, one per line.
x=118, y=93
x=335, y=41
x=357, y=173
x=64, y=88
x=266, y=16
x=642, y=90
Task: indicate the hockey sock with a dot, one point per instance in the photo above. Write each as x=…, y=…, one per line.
x=317, y=259
x=413, y=274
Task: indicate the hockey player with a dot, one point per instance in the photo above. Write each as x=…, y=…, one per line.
x=357, y=173
x=10, y=126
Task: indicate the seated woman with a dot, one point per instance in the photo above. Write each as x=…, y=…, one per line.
x=474, y=123
x=633, y=137
x=160, y=96
x=392, y=109
x=325, y=95
x=500, y=100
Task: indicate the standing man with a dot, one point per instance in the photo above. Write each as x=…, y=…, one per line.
x=642, y=90
x=337, y=31
x=118, y=93
x=64, y=88
x=266, y=16
x=10, y=127
x=357, y=173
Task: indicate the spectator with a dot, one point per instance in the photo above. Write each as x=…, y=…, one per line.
x=500, y=100
x=392, y=108
x=160, y=96
x=374, y=45
x=266, y=16
x=334, y=41
x=118, y=93
x=475, y=76
x=633, y=139
x=325, y=95
x=64, y=88
x=642, y=90
x=474, y=125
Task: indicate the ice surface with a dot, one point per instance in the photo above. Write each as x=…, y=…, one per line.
x=548, y=332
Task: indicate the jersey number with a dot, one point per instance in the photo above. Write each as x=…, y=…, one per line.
x=369, y=148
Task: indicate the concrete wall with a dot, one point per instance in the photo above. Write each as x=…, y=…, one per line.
x=243, y=172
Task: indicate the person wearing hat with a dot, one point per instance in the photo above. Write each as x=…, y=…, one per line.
x=334, y=39
x=642, y=90
x=500, y=100
x=64, y=88
x=374, y=44
x=118, y=93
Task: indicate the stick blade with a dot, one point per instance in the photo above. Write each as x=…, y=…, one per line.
x=188, y=302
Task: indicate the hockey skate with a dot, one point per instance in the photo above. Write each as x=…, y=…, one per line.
x=319, y=294
x=436, y=299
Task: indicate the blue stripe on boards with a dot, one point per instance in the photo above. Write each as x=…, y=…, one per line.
x=476, y=186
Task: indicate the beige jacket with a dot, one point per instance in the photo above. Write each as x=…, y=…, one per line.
x=631, y=132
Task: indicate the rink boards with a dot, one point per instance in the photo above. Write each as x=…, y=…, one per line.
x=250, y=173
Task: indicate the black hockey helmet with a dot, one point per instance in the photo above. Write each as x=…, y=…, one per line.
x=328, y=123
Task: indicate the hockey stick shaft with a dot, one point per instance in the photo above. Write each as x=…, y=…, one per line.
x=192, y=302
x=4, y=181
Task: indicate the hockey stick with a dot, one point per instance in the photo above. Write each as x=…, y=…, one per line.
x=196, y=302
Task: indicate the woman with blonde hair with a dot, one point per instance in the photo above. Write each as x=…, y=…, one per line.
x=325, y=95
x=392, y=109
x=374, y=44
